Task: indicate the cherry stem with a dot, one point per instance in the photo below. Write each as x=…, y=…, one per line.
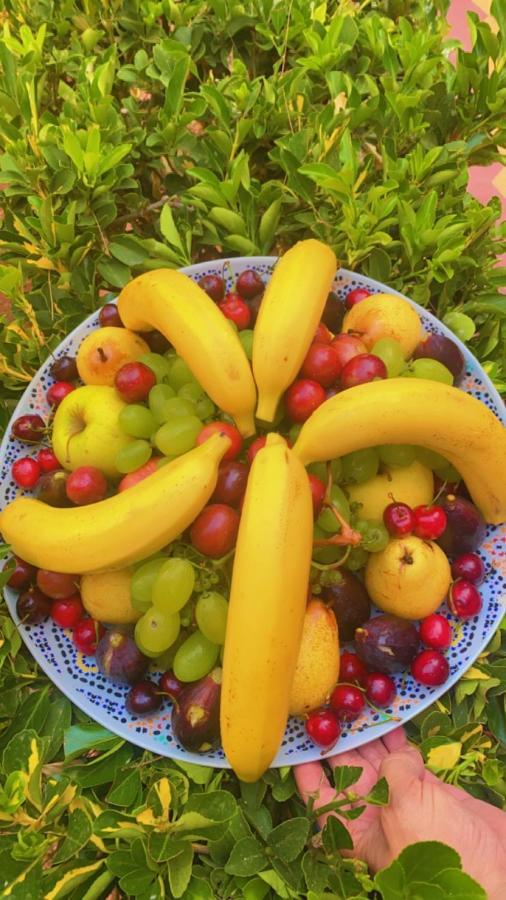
x=327, y=567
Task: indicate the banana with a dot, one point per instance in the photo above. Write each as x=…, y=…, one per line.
x=291, y=308
x=266, y=608
x=182, y=311
x=415, y=411
x=124, y=528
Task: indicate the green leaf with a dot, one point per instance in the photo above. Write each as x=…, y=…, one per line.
x=114, y=273
x=77, y=834
x=378, y=796
x=462, y=325
x=335, y=836
x=168, y=228
x=81, y=738
x=456, y=885
x=287, y=840
x=128, y=250
x=345, y=776
x=179, y=869
x=418, y=860
x=247, y=858
x=228, y=219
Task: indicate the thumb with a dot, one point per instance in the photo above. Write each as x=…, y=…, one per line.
x=402, y=769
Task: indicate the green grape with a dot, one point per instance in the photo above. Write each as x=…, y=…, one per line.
x=429, y=369
x=132, y=456
x=398, y=455
x=143, y=579
x=177, y=407
x=336, y=468
x=327, y=519
x=390, y=352
x=137, y=420
x=294, y=432
x=195, y=657
x=430, y=458
x=211, y=615
x=360, y=465
x=191, y=391
x=357, y=559
x=246, y=339
x=158, y=396
x=178, y=436
x=448, y=473
x=205, y=407
x=180, y=374
x=156, y=631
x=174, y=585
x=158, y=364
x=375, y=536
x=328, y=554
x=319, y=470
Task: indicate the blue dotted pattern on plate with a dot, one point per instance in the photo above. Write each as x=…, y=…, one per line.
x=104, y=700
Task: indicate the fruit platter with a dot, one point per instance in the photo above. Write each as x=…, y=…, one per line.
x=255, y=511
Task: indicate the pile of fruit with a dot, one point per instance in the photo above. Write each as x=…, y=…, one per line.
x=240, y=483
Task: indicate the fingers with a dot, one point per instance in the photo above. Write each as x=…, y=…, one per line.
x=312, y=783
x=395, y=740
x=401, y=769
x=374, y=752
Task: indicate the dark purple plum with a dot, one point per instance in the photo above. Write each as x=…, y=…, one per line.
x=442, y=348
x=196, y=714
x=465, y=527
x=350, y=603
x=119, y=658
x=387, y=643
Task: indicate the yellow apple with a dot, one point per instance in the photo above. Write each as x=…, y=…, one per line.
x=105, y=351
x=409, y=578
x=106, y=597
x=86, y=430
x=385, y=316
x=413, y=484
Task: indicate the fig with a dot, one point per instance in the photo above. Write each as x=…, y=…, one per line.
x=444, y=350
x=196, y=714
x=333, y=313
x=51, y=488
x=119, y=658
x=387, y=643
x=465, y=527
x=349, y=601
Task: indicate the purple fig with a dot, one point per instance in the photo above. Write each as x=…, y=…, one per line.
x=387, y=643
x=51, y=488
x=196, y=714
x=119, y=657
x=465, y=527
x=349, y=601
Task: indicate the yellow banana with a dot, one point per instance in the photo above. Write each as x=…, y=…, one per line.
x=291, y=309
x=266, y=609
x=415, y=411
x=182, y=311
x=124, y=528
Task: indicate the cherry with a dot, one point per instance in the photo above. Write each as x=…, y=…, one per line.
x=236, y=309
x=68, y=612
x=436, y=632
x=323, y=728
x=430, y=522
x=318, y=491
x=25, y=472
x=156, y=341
x=86, y=635
x=58, y=391
x=323, y=335
x=352, y=668
x=333, y=312
x=47, y=460
x=464, y=599
x=347, y=701
x=348, y=346
x=361, y=369
x=214, y=531
x=302, y=398
x=255, y=446
x=321, y=364
x=223, y=428
x=134, y=381
x=214, y=286
x=254, y=308
x=356, y=296
x=469, y=566
x=56, y=585
x=33, y=606
x=23, y=574
x=231, y=483
x=143, y=698
x=430, y=668
x=29, y=428
x=86, y=484
x=109, y=316
x=379, y=689
x=64, y=369
x=249, y=284
x=399, y=519
x=171, y=685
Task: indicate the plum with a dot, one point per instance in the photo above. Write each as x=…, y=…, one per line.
x=444, y=350
x=119, y=658
x=350, y=602
x=196, y=713
x=465, y=526
x=387, y=643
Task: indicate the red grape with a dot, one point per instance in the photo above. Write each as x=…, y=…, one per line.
x=321, y=364
x=57, y=585
x=361, y=369
x=302, y=398
x=109, y=316
x=214, y=531
x=231, y=483
x=134, y=381
x=223, y=428
x=86, y=485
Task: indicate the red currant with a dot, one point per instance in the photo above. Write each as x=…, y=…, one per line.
x=321, y=364
x=430, y=522
x=255, y=446
x=355, y=296
x=26, y=472
x=323, y=728
x=67, y=613
x=361, y=369
x=223, y=428
x=430, y=668
x=464, y=599
x=347, y=701
x=236, y=309
x=214, y=286
x=352, y=668
x=47, y=460
x=469, y=566
x=436, y=632
x=86, y=635
x=302, y=398
x=58, y=391
x=399, y=519
x=318, y=491
x=379, y=689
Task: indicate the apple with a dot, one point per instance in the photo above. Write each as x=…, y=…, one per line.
x=86, y=430
x=409, y=578
x=103, y=353
x=385, y=315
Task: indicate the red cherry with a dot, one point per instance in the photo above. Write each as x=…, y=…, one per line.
x=143, y=698
x=347, y=701
x=214, y=531
x=348, y=346
x=231, y=483
x=464, y=599
x=56, y=585
x=109, y=316
x=249, y=284
x=356, y=296
x=47, y=460
x=436, y=632
x=430, y=522
x=236, y=309
x=318, y=491
x=323, y=728
x=255, y=446
x=361, y=369
x=68, y=612
x=171, y=685
x=352, y=668
x=321, y=364
x=29, y=429
x=214, y=286
x=25, y=472
x=379, y=689
x=399, y=519
x=64, y=369
x=86, y=485
x=32, y=606
x=134, y=381
x=323, y=335
x=23, y=574
x=469, y=566
x=58, y=391
x=223, y=428
x=302, y=398
x=430, y=668
x=86, y=636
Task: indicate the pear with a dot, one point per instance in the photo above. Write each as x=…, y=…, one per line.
x=409, y=578
x=317, y=667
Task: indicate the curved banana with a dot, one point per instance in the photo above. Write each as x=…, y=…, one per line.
x=291, y=309
x=124, y=528
x=415, y=411
x=182, y=311
x=266, y=609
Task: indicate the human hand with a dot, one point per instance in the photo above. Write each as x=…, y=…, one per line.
x=420, y=808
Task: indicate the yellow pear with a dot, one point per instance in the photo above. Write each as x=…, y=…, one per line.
x=106, y=597
x=317, y=667
x=385, y=316
x=105, y=351
x=413, y=484
x=409, y=578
